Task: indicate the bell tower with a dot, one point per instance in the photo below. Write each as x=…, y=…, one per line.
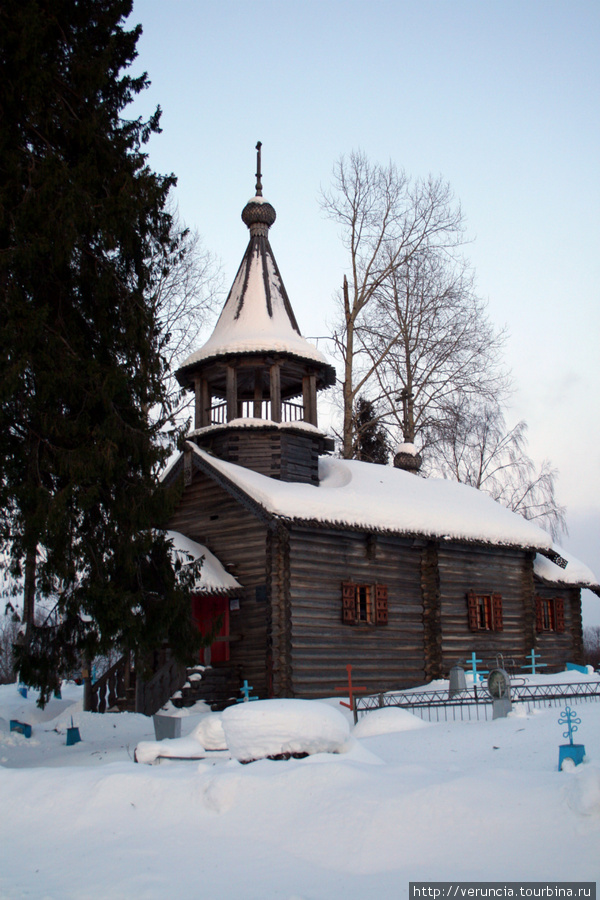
x=256, y=379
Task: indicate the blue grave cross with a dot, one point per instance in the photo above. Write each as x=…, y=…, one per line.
x=534, y=662
x=573, y=752
x=569, y=719
x=245, y=690
x=477, y=675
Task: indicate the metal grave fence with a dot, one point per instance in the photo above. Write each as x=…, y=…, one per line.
x=475, y=703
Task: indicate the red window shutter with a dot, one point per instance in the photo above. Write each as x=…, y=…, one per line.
x=497, y=612
x=473, y=611
x=559, y=614
x=348, y=603
x=381, y=604
x=539, y=615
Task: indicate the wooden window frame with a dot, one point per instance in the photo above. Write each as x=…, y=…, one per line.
x=549, y=615
x=485, y=611
x=364, y=603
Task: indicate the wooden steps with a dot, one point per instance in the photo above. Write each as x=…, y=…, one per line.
x=217, y=686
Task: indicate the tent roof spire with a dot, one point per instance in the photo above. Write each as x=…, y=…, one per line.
x=257, y=316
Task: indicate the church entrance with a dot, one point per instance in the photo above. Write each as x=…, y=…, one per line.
x=206, y=613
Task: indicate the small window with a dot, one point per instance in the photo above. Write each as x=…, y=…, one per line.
x=364, y=604
x=485, y=612
x=550, y=614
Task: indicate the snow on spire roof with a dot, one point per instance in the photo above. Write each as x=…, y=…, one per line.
x=257, y=316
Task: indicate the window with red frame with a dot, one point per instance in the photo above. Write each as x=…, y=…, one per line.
x=485, y=611
x=364, y=604
x=550, y=614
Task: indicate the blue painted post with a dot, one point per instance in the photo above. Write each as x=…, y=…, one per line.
x=20, y=727
x=574, y=752
x=534, y=662
x=73, y=736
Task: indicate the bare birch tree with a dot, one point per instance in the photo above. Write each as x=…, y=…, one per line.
x=475, y=447
x=386, y=219
x=430, y=342
x=416, y=341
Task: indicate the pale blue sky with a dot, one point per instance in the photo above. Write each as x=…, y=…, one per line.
x=499, y=97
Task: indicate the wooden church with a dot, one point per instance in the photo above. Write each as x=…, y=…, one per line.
x=333, y=561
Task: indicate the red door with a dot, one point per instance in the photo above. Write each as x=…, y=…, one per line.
x=205, y=612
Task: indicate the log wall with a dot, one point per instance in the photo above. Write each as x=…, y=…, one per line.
x=208, y=514
x=382, y=656
x=280, y=454
x=432, y=611
x=462, y=568
x=288, y=636
x=555, y=648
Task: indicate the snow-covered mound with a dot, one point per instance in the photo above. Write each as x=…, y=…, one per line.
x=273, y=727
x=387, y=721
x=171, y=748
x=209, y=732
x=255, y=730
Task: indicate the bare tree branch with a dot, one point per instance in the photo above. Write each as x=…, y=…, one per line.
x=475, y=447
x=386, y=219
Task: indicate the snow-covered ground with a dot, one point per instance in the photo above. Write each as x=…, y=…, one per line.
x=404, y=801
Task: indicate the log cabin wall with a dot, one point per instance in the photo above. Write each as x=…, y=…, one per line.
x=485, y=571
x=207, y=514
x=299, y=457
x=383, y=656
x=558, y=647
x=432, y=611
x=280, y=612
x=275, y=452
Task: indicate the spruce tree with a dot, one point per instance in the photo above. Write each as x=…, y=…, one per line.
x=370, y=442
x=82, y=223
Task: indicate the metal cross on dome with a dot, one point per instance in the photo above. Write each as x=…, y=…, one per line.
x=258, y=172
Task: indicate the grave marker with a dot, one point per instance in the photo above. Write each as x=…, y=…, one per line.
x=351, y=689
x=73, y=736
x=499, y=688
x=245, y=690
x=534, y=662
x=574, y=752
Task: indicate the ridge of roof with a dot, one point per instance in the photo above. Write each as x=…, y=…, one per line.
x=405, y=505
x=358, y=494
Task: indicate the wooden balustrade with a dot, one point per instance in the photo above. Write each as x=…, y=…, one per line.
x=290, y=412
x=111, y=687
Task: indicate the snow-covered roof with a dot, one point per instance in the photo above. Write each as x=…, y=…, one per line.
x=574, y=573
x=355, y=494
x=258, y=424
x=213, y=577
x=257, y=316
